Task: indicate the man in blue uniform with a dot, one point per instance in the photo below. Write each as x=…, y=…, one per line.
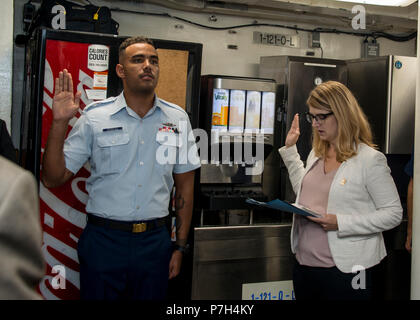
x=134, y=143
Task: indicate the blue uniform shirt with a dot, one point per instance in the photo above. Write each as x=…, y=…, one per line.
x=132, y=159
x=409, y=167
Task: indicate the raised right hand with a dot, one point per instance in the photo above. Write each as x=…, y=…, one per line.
x=65, y=103
x=294, y=132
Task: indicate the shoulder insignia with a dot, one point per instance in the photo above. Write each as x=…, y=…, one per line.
x=96, y=104
x=171, y=105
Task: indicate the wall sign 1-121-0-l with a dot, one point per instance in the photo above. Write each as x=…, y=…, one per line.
x=276, y=39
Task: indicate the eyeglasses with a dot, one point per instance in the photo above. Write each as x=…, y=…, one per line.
x=318, y=117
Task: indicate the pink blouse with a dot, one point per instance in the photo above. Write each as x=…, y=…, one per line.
x=313, y=249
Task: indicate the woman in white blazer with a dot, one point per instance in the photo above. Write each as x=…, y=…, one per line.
x=349, y=183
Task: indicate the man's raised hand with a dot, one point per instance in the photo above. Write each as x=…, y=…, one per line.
x=65, y=103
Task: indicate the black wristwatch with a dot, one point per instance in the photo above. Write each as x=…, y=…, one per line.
x=184, y=249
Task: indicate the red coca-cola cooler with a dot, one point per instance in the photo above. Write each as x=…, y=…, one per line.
x=91, y=59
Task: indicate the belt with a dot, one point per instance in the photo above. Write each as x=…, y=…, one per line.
x=133, y=227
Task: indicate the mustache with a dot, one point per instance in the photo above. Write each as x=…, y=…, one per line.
x=147, y=74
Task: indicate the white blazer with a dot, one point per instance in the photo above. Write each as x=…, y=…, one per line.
x=364, y=198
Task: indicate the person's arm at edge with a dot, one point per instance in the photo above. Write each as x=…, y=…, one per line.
x=184, y=195
x=409, y=214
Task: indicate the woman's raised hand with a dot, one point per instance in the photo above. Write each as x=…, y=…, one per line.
x=294, y=132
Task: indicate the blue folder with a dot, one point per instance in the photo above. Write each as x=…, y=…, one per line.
x=278, y=204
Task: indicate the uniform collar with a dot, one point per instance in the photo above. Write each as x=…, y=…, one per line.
x=120, y=103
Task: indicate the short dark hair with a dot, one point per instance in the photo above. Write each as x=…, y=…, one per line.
x=129, y=41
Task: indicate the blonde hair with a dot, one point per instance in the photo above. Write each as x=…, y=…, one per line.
x=353, y=127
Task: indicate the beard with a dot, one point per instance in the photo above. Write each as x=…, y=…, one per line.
x=145, y=90
x=142, y=89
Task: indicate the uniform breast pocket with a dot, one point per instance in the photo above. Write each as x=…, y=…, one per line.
x=166, y=155
x=113, y=152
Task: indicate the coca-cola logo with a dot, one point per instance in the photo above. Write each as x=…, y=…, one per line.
x=62, y=209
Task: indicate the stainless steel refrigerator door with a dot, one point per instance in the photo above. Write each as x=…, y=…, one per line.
x=385, y=89
x=401, y=108
x=368, y=80
x=299, y=75
x=302, y=78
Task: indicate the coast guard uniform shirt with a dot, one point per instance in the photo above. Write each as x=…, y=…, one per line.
x=132, y=159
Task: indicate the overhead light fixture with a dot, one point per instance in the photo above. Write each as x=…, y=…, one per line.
x=393, y=3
